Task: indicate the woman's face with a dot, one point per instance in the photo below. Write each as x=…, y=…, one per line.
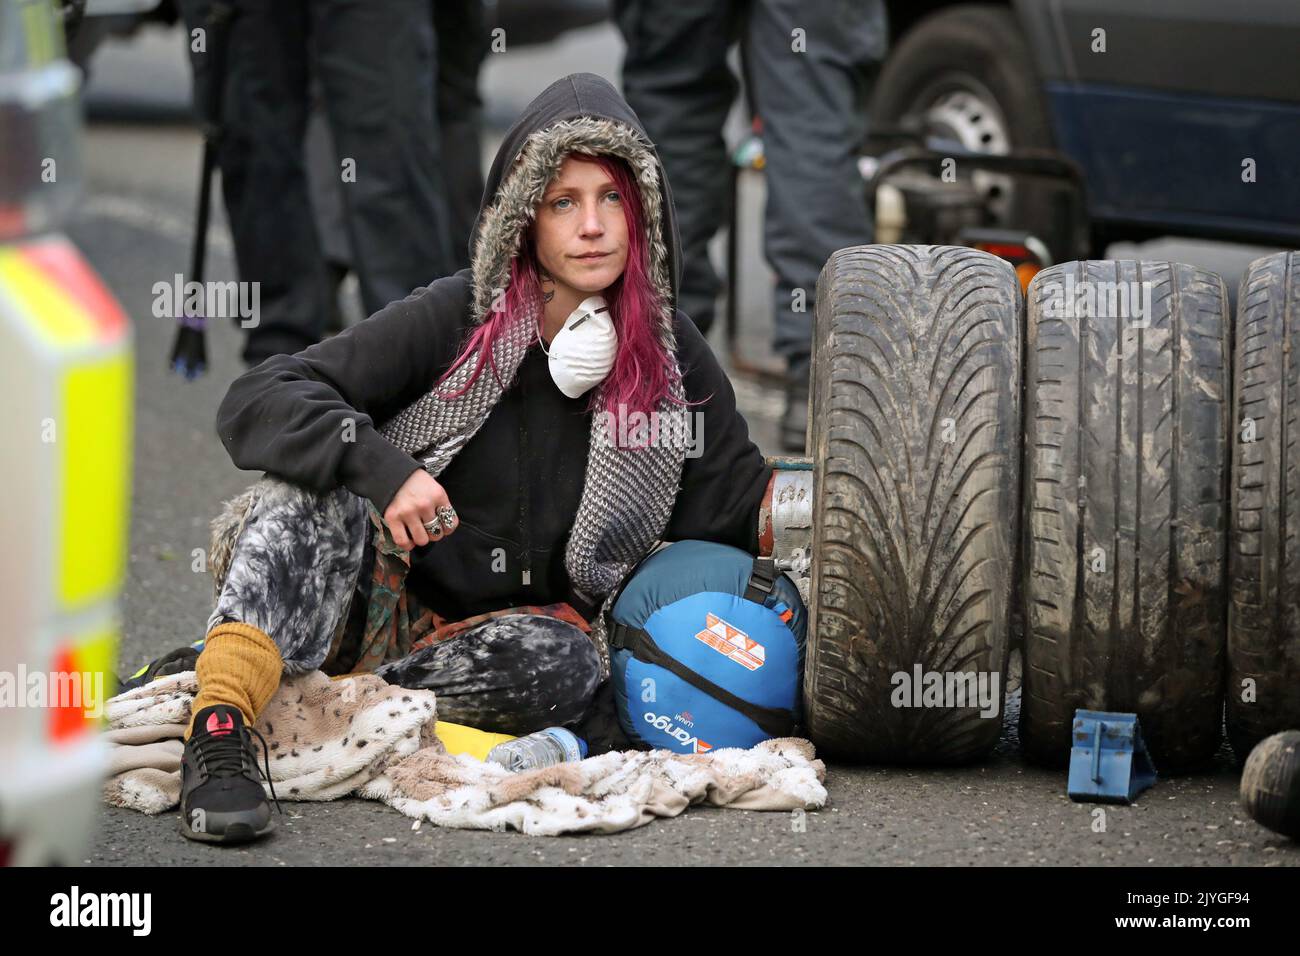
x=581, y=234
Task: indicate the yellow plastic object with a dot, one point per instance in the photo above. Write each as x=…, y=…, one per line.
x=96, y=402
x=459, y=739
x=66, y=360
x=67, y=375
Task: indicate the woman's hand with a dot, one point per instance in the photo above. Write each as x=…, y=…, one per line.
x=416, y=502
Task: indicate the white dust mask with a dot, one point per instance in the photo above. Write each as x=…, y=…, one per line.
x=582, y=352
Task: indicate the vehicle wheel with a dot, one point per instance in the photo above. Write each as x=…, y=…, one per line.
x=1125, y=509
x=1263, y=688
x=967, y=74
x=914, y=426
x=1270, y=783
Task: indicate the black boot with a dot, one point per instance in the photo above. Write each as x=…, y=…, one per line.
x=794, y=420
x=222, y=800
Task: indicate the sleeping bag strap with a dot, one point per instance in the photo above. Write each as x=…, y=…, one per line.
x=762, y=579
x=772, y=720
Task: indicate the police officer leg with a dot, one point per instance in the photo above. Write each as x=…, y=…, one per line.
x=808, y=68
x=263, y=178
x=377, y=63
x=676, y=78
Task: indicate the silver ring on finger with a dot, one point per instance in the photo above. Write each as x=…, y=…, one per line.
x=433, y=527
x=448, y=515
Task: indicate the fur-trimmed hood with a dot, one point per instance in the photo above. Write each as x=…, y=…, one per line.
x=580, y=112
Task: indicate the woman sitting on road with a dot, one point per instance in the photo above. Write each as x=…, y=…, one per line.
x=459, y=483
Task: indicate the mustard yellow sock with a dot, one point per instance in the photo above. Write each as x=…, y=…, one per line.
x=239, y=666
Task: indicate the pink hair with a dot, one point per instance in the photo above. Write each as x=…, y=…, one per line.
x=643, y=368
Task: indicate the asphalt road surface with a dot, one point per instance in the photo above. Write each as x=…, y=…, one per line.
x=134, y=226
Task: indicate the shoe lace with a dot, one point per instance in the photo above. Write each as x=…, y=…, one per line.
x=223, y=756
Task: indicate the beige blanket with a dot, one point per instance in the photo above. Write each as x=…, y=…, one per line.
x=363, y=737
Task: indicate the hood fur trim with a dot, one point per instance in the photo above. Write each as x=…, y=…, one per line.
x=515, y=206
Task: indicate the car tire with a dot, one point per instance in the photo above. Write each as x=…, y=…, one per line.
x=1263, y=687
x=1125, y=509
x=981, y=49
x=915, y=407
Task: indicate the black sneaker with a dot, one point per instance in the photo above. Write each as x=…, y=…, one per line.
x=222, y=800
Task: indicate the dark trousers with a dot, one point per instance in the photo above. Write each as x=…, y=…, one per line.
x=463, y=43
x=375, y=61
x=814, y=110
x=460, y=28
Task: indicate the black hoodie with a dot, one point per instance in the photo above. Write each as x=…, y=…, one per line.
x=516, y=484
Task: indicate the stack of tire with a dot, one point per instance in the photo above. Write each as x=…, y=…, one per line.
x=1116, y=490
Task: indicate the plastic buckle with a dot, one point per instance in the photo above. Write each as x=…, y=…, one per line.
x=762, y=579
x=616, y=634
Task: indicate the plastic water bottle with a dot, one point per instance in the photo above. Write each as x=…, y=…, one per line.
x=542, y=749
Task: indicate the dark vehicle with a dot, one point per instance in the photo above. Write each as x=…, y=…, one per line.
x=1077, y=124
x=1183, y=115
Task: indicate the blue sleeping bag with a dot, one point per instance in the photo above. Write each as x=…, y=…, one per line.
x=706, y=649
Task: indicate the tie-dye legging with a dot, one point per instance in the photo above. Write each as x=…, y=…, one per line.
x=296, y=570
